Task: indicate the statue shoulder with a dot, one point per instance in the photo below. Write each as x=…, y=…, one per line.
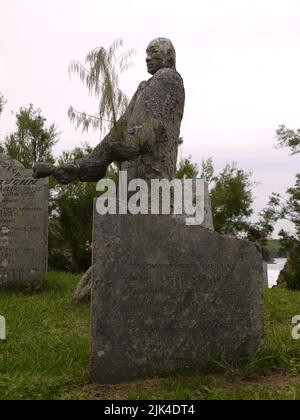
x=166, y=72
x=168, y=75
x=142, y=85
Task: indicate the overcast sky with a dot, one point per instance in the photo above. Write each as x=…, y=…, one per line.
x=240, y=61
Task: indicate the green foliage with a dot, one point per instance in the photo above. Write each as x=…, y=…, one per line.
x=101, y=76
x=289, y=209
x=46, y=355
x=286, y=242
x=232, y=199
x=187, y=169
x=71, y=212
x=207, y=170
x=290, y=276
x=2, y=103
x=70, y=227
x=288, y=138
x=47, y=342
x=261, y=231
x=32, y=141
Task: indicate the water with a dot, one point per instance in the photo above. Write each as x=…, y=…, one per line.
x=274, y=270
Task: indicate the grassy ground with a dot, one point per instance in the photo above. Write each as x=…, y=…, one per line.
x=46, y=354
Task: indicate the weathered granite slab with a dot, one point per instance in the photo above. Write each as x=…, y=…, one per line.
x=23, y=224
x=169, y=298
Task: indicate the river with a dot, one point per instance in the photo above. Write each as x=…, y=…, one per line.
x=274, y=270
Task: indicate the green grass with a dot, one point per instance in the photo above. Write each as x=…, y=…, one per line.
x=47, y=344
x=46, y=354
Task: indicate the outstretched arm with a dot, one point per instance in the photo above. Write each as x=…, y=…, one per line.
x=117, y=146
x=146, y=119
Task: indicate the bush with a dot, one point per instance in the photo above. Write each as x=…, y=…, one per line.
x=290, y=275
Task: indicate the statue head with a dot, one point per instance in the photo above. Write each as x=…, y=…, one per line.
x=160, y=53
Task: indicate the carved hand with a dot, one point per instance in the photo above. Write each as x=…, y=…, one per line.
x=63, y=174
x=66, y=173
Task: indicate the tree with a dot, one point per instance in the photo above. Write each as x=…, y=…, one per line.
x=187, y=169
x=289, y=209
x=32, y=141
x=2, y=103
x=100, y=74
x=261, y=231
x=71, y=213
x=288, y=138
x=290, y=275
x=70, y=225
x=207, y=170
x=232, y=199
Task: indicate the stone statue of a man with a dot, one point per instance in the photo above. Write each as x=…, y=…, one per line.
x=146, y=137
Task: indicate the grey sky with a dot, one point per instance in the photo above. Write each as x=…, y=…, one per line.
x=239, y=60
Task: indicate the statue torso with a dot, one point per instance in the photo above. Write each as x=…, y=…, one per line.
x=160, y=101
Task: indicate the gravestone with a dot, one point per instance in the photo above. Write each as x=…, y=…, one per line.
x=168, y=298
x=23, y=224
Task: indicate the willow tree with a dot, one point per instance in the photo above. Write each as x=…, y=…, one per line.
x=100, y=74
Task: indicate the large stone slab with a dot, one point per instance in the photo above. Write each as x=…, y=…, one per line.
x=23, y=224
x=169, y=298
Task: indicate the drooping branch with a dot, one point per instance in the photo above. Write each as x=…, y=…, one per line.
x=288, y=138
x=100, y=75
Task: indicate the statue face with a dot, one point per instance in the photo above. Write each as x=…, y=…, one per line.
x=154, y=60
x=160, y=54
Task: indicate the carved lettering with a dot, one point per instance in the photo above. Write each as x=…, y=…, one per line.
x=23, y=224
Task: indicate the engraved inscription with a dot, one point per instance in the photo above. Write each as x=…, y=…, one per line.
x=23, y=224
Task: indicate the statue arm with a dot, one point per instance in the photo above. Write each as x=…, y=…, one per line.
x=134, y=135
x=118, y=146
x=113, y=148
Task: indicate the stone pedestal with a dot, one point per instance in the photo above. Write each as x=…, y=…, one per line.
x=169, y=298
